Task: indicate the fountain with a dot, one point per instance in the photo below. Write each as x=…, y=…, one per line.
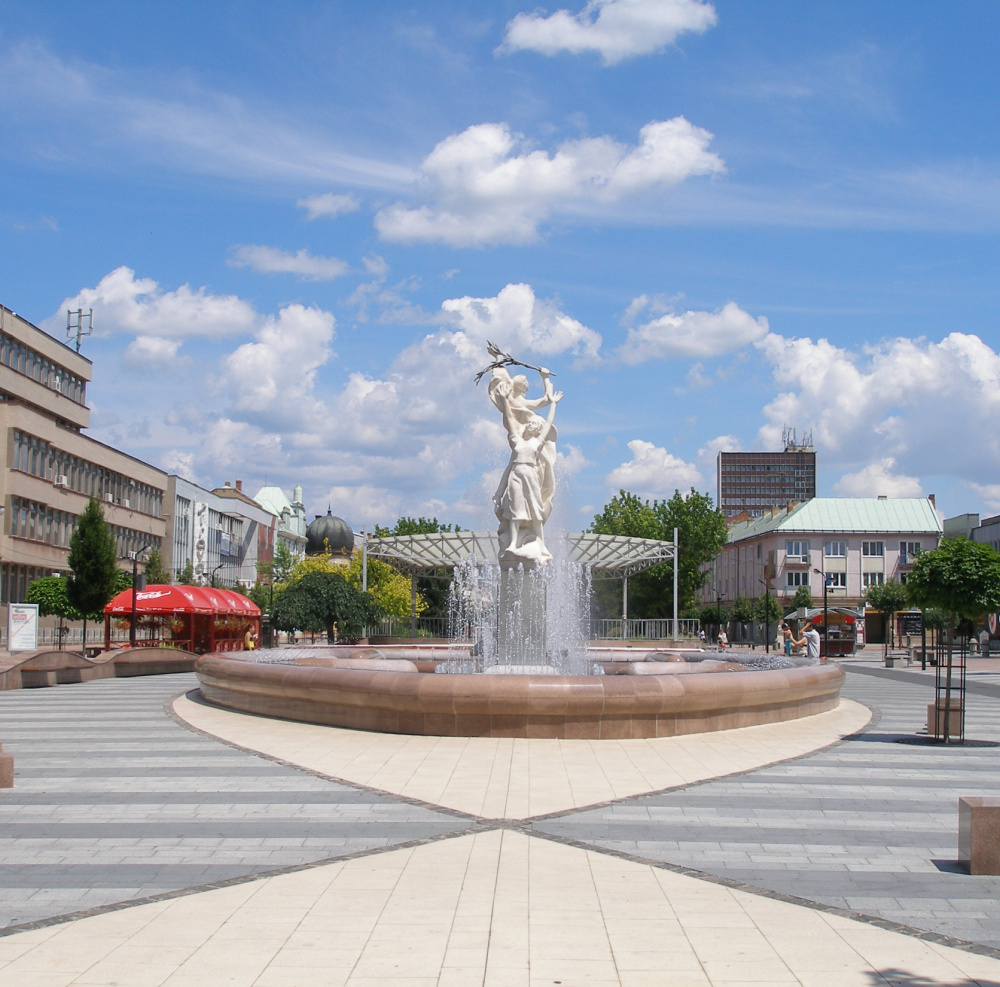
x=529, y=671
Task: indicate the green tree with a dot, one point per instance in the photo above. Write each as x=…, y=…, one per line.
x=885, y=599
x=186, y=576
x=701, y=535
x=433, y=586
x=803, y=598
x=93, y=559
x=282, y=563
x=324, y=601
x=767, y=611
x=156, y=575
x=388, y=587
x=49, y=593
x=742, y=610
x=962, y=578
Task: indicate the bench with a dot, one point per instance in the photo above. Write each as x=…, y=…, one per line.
x=979, y=834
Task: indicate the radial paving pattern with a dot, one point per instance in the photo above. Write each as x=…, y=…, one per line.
x=328, y=883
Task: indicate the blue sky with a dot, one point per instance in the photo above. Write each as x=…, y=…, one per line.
x=298, y=224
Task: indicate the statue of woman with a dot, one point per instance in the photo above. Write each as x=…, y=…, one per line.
x=523, y=499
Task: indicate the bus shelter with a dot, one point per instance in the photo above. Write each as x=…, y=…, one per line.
x=200, y=619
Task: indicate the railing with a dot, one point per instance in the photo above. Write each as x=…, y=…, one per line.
x=605, y=630
x=412, y=627
x=643, y=630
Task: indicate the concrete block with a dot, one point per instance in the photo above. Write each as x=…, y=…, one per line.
x=935, y=720
x=979, y=834
x=6, y=769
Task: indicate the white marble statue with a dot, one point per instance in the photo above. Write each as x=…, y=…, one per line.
x=523, y=499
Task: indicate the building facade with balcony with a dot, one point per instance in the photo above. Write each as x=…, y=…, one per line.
x=50, y=468
x=223, y=533
x=848, y=542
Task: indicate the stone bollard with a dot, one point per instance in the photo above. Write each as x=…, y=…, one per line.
x=6, y=769
x=979, y=834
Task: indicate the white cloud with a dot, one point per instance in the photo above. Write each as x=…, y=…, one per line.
x=375, y=266
x=515, y=319
x=878, y=480
x=653, y=473
x=146, y=353
x=328, y=205
x=124, y=304
x=692, y=334
x=615, y=29
x=119, y=119
x=488, y=186
x=928, y=406
x=271, y=260
x=272, y=378
x=990, y=493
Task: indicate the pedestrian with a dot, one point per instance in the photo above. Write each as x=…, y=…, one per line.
x=701, y=637
x=810, y=641
x=786, y=638
x=248, y=640
x=723, y=638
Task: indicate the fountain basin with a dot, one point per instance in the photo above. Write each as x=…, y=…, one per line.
x=591, y=707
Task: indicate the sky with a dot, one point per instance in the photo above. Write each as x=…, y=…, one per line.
x=299, y=224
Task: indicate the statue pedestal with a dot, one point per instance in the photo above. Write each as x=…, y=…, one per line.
x=521, y=617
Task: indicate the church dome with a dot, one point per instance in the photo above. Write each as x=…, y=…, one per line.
x=329, y=534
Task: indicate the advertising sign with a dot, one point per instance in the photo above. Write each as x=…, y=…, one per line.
x=910, y=624
x=22, y=627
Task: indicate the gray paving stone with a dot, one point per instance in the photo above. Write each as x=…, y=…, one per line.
x=113, y=800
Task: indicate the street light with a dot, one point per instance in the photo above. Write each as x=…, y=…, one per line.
x=214, y=571
x=826, y=613
x=767, y=616
x=135, y=576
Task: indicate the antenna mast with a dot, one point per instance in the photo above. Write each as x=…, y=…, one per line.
x=79, y=324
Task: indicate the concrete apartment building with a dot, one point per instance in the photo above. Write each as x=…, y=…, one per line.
x=49, y=467
x=853, y=541
x=756, y=482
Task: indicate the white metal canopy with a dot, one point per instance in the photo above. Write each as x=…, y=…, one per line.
x=612, y=555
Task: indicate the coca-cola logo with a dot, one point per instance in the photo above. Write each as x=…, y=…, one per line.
x=993, y=619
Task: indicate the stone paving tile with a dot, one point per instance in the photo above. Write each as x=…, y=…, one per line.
x=870, y=825
x=113, y=800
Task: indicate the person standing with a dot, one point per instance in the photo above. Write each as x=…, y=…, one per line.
x=786, y=638
x=723, y=638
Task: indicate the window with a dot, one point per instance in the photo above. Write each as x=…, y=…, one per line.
x=873, y=548
x=795, y=579
x=836, y=580
x=835, y=549
x=872, y=579
x=907, y=551
x=797, y=549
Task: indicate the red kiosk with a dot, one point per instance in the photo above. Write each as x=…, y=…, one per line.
x=200, y=619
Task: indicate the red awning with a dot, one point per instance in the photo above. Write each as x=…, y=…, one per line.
x=184, y=599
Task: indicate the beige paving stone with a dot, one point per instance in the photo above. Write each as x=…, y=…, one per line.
x=514, y=778
x=541, y=912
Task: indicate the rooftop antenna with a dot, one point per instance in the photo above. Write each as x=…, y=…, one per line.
x=79, y=324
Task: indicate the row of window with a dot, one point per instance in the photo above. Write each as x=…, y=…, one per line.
x=42, y=523
x=26, y=361
x=838, y=549
x=40, y=458
x=769, y=468
x=15, y=580
x=835, y=580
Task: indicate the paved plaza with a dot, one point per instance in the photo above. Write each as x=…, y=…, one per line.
x=153, y=840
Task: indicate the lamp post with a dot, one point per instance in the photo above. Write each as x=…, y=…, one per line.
x=214, y=571
x=767, y=616
x=135, y=577
x=826, y=612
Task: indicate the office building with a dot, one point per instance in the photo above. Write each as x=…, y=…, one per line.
x=50, y=468
x=755, y=482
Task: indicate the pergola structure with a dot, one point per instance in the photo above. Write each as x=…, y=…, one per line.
x=613, y=556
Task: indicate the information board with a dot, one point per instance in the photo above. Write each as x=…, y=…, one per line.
x=22, y=627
